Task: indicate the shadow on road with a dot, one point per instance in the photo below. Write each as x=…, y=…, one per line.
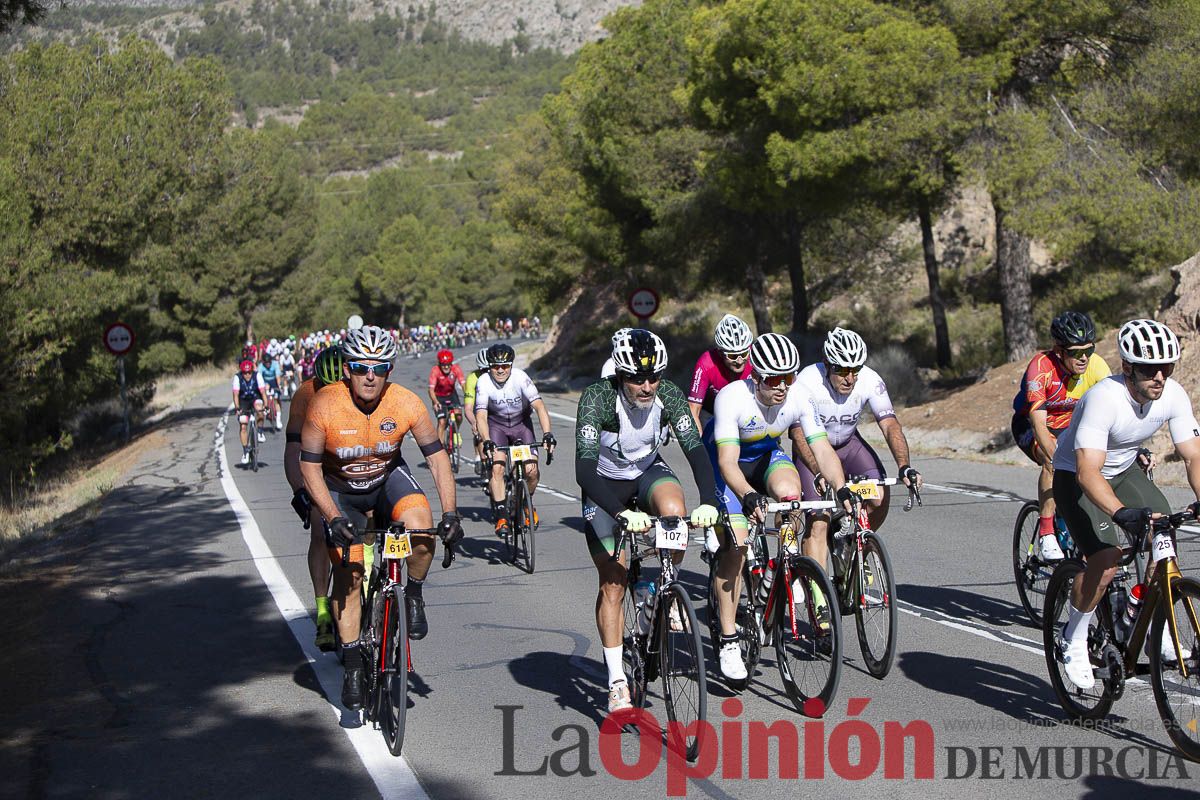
x=964, y=605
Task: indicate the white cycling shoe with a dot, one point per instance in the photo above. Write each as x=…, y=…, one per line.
x=732, y=666
x=1168, y=648
x=1077, y=665
x=262, y=437
x=1049, y=549
x=245, y=456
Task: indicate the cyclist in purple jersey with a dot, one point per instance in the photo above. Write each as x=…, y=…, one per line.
x=729, y=361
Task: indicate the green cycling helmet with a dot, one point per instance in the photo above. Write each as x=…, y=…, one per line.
x=329, y=365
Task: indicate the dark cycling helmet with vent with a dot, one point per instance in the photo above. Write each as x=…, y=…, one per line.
x=639, y=352
x=328, y=366
x=1072, y=329
x=499, y=354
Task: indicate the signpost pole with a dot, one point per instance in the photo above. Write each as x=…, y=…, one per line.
x=124, y=395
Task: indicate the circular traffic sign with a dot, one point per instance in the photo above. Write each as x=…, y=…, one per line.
x=118, y=338
x=643, y=302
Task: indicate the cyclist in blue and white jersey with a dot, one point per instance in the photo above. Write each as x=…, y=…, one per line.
x=271, y=373
x=749, y=416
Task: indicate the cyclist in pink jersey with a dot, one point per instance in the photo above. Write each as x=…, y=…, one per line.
x=729, y=361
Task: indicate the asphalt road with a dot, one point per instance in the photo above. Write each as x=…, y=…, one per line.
x=198, y=677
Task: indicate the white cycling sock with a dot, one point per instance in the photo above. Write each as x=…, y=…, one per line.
x=613, y=660
x=1077, y=623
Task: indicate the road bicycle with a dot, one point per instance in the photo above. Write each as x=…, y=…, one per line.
x=518, y=502
x=806, y=634
x=1031, y=573
x=863, y=577
x=384, y=637
x=288, y=386
x=1170, y=608
x=252, y=438
x=661, y=636
x=453, y=441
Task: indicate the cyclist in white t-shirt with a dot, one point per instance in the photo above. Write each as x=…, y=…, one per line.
x=1098, y=484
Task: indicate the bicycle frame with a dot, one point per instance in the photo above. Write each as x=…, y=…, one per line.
x=1158, y=590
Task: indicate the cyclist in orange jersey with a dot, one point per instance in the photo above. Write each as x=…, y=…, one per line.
x=351, y=461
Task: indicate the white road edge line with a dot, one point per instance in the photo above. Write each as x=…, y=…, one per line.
x=394, y=777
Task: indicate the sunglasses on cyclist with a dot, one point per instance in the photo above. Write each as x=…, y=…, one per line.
x=1148, y=372
x=360, y=369
x=775, y=381
x=1079, y=352
x=501, y=366
x=638, y=380
x=845, y=372
x=742, y=356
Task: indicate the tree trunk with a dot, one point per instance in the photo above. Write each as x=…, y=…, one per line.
x=941, y=333
x=756, y=285
x=793, y=241
x=1016, y=294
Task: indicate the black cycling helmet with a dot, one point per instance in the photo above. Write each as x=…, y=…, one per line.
x=500, y=354
x=1072, y=328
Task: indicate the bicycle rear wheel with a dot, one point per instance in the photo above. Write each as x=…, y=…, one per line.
x=1079, y=703
x=875, y=610
x=393, y=670
x=1178, y=697
x=1031, y=574
x=808, y=642
x=681, y=667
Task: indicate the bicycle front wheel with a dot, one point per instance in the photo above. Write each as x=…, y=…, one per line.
x=392, y=678
x=808, y=636
x=253, y=431
x=451, y=431
x=875, y=609
x=1032, y=576
x=525, y=546
x=681, y=667
x=1079, y=703
x=1177, y=695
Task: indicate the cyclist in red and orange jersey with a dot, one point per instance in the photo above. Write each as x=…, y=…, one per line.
x=1053, y=383
x=444, y=379
x=351, y=461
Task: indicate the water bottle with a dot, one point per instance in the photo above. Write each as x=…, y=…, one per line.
x=764, y=584
x=1133, y=605
x=1064, y=536
x=644, y=592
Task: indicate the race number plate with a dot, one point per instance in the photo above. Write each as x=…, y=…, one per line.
x=1163, y=546
x=397, y=545
x=788, y=534
x=521, y=452
x=867, y=491
x=674, y=537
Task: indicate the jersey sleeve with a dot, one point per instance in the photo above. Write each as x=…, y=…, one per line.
x=1095, y=422
x=528, y=390
x=699, y=381
x=1182, y=419
x=482, y=393
x=679, y=416
x=589, y=421
x=806, y=414
x=879, y=400
x=725, y=410
x=1035, y=383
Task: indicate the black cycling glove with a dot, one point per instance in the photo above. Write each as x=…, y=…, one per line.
x=844, y=495
x=752, y=501
x=450, y=528
x=909, y=474
x=1134, y=520
x=302, y=503
x=341, y=532
x=548, y=440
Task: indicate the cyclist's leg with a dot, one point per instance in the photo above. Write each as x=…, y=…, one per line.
x=259, y=414
x=347, y=581
x=245, y=409
x=858, y=458
x=1096, y=536
x=817, y=523
x=600, y=532
x=523, y=433
x=440, y=411
x=503, y=437
x=660, y=492
x=1022, y=431
x=732, y=554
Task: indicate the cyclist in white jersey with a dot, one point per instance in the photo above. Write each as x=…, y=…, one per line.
x=839, y=388
x=504, y=401
x=1097, y=483
x=749, y=416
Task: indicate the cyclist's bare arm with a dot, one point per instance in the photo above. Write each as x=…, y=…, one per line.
x=893, y=434
x=542, y=413
x=1088, y=463
x=481, y=420
x=731, y=473
x=425, y=434
x=1189, y=451
x=1041, y=432
x=821, y=457
x=433, y=399
x=312, y=449
x=695, y=409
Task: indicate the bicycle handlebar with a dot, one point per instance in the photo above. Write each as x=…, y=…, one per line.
x=913, y=493
x=549, y=452
x=1167, y=522
x=623, y=524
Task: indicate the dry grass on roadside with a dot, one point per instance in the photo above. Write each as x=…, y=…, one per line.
x=183, y=386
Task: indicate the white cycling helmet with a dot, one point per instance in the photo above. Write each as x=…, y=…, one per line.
x=774, y=354
x=638, y=352
x=845, y=348
x=1146, y=341
x=369, y=342
x=481, y=359
x=732, y=335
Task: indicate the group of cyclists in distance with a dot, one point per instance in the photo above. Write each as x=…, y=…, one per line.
x=1080, y=423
